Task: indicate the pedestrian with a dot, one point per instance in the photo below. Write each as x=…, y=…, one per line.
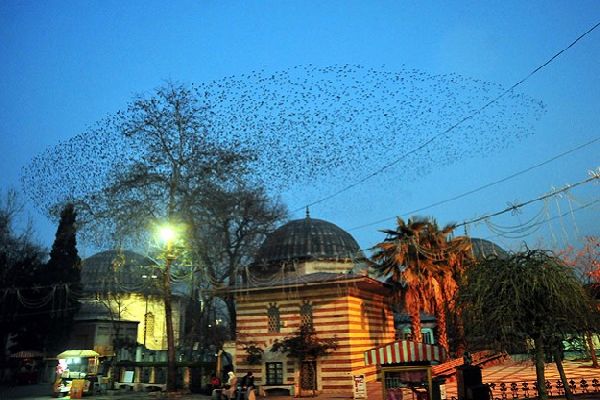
x=231, y=386
x=247, y=384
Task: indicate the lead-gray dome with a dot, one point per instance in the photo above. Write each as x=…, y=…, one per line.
x=307, y=239
x=483, y=248
x=119, y=271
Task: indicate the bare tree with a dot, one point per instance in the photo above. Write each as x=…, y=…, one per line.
x=233, y=224
x=157, y=163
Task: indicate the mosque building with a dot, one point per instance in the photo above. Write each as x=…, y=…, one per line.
x=305, y=273
x=122, y=298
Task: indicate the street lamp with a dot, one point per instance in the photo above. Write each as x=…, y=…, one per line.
x=168, y=235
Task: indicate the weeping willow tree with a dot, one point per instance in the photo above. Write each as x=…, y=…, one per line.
x=528, y=297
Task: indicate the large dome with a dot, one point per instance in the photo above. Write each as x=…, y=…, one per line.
x=307, y=239
x=118, y=271
x=483, y=248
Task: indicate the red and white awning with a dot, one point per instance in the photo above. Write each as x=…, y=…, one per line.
x=404, y=351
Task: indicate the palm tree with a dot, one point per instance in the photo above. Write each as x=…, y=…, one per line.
x=397, y=258
x=425, y=263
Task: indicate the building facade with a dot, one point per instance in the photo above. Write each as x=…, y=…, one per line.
x=302, y=275
x=122, y=299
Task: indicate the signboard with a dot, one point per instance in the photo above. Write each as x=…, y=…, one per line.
x=359, y=387
x=77, y=386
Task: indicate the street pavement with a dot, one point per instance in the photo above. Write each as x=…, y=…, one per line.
x=507, y=373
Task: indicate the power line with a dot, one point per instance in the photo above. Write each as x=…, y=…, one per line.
x=584, y=206
x=482, y=187
x=594, y=176
x=452, y=127
x=514, y=207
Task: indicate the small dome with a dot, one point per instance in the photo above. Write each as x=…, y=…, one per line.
x=484, y=248
x=118, y=271
x=307, y=239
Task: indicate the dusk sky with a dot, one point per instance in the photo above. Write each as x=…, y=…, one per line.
x=67, y=64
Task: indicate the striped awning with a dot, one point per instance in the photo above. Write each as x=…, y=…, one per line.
x=404, y=351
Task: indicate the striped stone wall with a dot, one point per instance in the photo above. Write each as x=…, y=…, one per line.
x=358, y=314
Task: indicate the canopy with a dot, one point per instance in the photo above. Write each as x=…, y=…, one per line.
x=404, y=351
x=27, y=354
x=77, y=353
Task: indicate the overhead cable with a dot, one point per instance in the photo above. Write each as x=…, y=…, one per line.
x=452, y=127
x=482, y=187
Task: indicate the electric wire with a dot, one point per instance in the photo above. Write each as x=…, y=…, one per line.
x=451, y=128
x=513, y=207
x=482, y=187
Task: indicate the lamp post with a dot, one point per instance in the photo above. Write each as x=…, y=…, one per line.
x=167, y=234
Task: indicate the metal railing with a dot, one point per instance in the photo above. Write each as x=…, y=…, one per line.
x=528, y=389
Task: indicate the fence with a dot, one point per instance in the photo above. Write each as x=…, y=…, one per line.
x=528, y=389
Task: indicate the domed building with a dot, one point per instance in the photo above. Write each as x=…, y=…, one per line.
x=483, y=248
x=302, y=275
x=122, y=297
x=305, y=246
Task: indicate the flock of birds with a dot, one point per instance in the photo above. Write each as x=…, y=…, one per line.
x=315, y=130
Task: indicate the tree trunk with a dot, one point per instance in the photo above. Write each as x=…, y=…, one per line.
x=230, y=302
x=171, y=366
x=539, y=368
x=415, y=320
x=561, y=372
x=590, y=341
x=461, y=345
x=442, y=332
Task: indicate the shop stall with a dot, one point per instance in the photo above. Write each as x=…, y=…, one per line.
x=404, y=368
x=76, y=373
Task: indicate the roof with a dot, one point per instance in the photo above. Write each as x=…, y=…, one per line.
x=77, y=353
x=316, y=278
x=483, y=248
x=404, y=351
x=307, y=239
x=119, y=271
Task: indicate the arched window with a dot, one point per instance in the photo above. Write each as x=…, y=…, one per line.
x=274, y=318
x=306, y=314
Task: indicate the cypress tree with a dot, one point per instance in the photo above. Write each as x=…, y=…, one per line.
x=63, y=273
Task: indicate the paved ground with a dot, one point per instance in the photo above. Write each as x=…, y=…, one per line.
x=507, y=373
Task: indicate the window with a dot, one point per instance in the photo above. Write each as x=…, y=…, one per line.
x=274, y=319
x=306, y=314
x=274, y=373
x=427, y=336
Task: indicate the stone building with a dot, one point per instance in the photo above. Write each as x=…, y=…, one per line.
x=122, y=298
x=303, y=273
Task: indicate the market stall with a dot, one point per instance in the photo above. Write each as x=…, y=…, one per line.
x=405, y=369
x=76, y=373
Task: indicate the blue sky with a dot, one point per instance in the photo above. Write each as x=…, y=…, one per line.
x=66, y=65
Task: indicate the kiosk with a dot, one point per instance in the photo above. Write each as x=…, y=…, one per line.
x=75, y=373
x=404, y=368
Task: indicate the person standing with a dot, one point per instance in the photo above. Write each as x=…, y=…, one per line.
x=247, y=384
x=231, y=386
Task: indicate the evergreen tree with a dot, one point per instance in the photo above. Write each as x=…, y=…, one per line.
x=63, y=275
